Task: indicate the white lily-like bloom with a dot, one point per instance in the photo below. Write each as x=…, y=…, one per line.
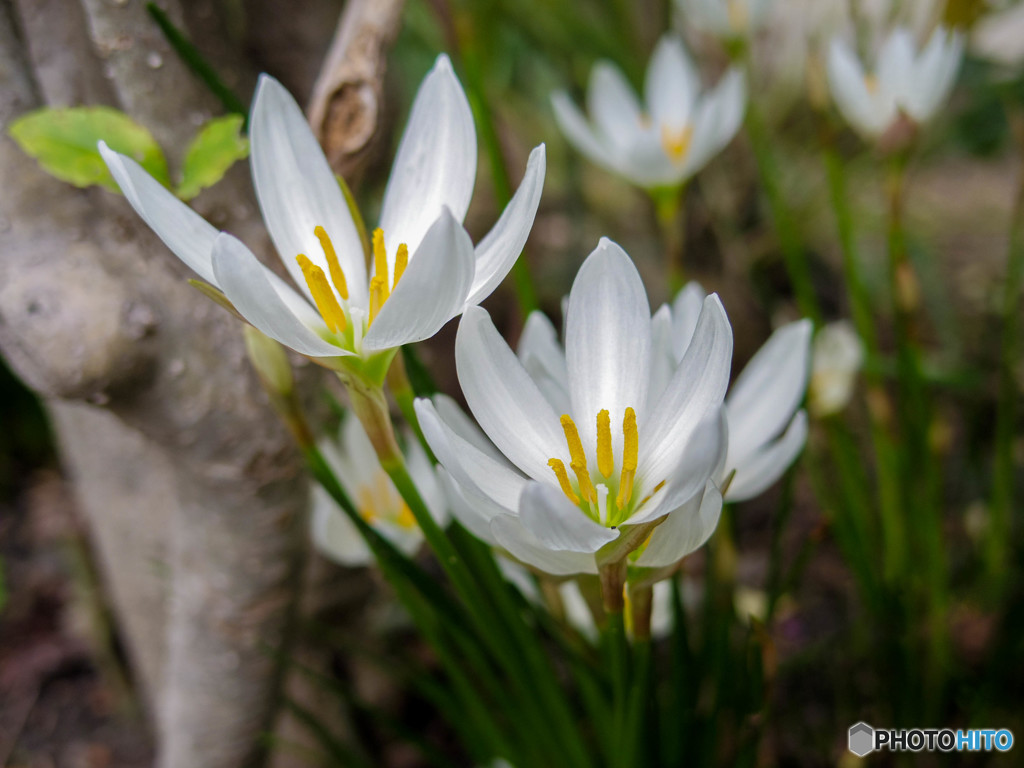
x=838, y=358
x=766, y=431
x=665, y=141
x=375, y=497
x=424, y=269
x=999, y=36
x=724, y=19
x=905, y=82
x=553, y=478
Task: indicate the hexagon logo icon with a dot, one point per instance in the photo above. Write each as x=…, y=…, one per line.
x=861, y=739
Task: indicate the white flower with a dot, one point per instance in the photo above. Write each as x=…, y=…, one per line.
x=425, y=270
x=725, y=19
x=766, y=431
x=554, y=490
x=665, y=141
x=838, y=357
x=999, y=36
x=375, y=497
x=905, y=82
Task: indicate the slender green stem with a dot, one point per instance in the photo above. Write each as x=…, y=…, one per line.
x=1001, y=523
x=197, y=63
x=879, y=407
x=785, y=227
x=671, y=215
x=402, y=390
x=616, y=650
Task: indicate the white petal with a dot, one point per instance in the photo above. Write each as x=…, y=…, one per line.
x=456, y=419
x=436, y=161
x=297, y=190
x=543, y=358
x=686, y=309
x=717, y=118
x=850, y=91
x=935, y=73
x=702, y=456
x=607, y=342
x=613, y=105
x=512, y=536
x=421, y=470
x=334, y=534
x=580, y=133
x=469, y=466
x=895, y=68
x=685, y=530
x=671, y=84
x=500, y=248
x=469, y=509
x=183, y=230
x=764, y=397
x=697, y=386
x=432, y=290
x=244, y=281
x=559, y=524
x=663, y=361
x=503, y=398
x=762, y=469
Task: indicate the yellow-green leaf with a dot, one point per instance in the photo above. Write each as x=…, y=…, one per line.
x=215, y=148
x=64, y=142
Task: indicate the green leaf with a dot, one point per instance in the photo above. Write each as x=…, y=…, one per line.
x=214, y=150
x=64, y=142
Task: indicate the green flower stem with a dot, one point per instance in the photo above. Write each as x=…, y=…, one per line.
x=671, y=215
x=785, y=227
x=616, y=649
x=404, y=394
x=922, y=492
x=1000, y=522
x=879, y=407
x=497, y=622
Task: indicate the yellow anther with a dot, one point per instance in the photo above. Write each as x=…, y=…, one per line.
x=587, y=489
x=871, y=83
x=572, y=439
x=676, y=143
x=337, y=276
x=631, y=441
x=323, y=296
x=630, y=456
x=367, y=508
x=378, y=295
x=380, y=260
x=739, y=15
x=405, y=518
x=605, y=458
x=401, y=261
x=563, y=479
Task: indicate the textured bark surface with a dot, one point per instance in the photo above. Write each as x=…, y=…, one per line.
x=193, y=489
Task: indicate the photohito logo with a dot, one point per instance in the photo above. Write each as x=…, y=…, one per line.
x=862, y=739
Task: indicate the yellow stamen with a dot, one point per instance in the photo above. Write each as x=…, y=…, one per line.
x=605, y=459
x=579, y=458
x=323, y=296
x=405, y=517
x=676, y=143
x=563, y=479
x=378, y=295
x=739, y=15
x=871, y=83
x=332, y=262
x=401, y=261
x=367, y=509
x=630, y=456
x=380, y=261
